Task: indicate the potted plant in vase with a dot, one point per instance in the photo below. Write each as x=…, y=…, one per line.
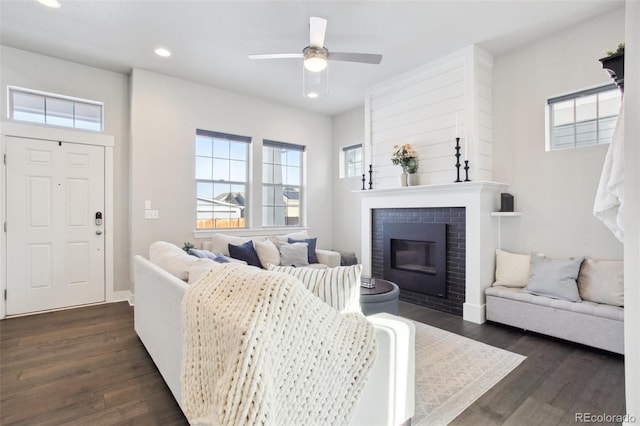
x=407, y=158
x=613, y=63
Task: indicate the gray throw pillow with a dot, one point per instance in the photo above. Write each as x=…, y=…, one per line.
x=294, y=254
x=555, y=278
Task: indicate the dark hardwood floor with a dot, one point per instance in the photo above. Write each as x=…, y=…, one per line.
x=86, y=366
x=556, y=382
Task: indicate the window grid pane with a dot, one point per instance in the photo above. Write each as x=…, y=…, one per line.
x=585, y=118
x=221, y=171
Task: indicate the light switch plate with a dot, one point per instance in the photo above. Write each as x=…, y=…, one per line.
x=151, y=214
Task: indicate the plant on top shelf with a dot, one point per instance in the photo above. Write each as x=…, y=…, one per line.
x=620, y=49
x=406, y=157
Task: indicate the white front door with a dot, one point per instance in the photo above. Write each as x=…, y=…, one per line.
x=55, y=247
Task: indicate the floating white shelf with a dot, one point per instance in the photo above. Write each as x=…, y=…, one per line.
x=506, y=214
x=500, y=215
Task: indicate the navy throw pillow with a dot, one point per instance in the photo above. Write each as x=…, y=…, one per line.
x=245, y=252
x=311, y=254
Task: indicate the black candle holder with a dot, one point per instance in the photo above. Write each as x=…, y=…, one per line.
x=363, y=180
x=466, y=171
x=370, y=176
x=457, y=160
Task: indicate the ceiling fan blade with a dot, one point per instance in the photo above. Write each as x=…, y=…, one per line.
x=366, y=58
x=317, y=30
x=277, y=56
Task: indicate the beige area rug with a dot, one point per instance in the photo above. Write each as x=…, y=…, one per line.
x=452, y=372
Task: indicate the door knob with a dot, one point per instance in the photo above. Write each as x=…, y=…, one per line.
x=99, y=232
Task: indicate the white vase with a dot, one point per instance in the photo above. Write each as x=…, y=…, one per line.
x=403, y=179
x=412, y=179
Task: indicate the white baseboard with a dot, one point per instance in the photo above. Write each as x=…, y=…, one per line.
x=122, y=296
x=474, y=313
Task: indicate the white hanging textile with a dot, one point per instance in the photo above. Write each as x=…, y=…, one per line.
x=609, y=202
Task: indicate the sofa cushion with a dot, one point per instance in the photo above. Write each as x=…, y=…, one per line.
x=294, y=254
x=602, y=281
x=585, y=307
x=339, y=287
x=311, y=242
x=245, y=252
x=201, y=269
x=284, y=239
x=512, y=269
x=268, y=253
x=555, y=278
x=172, y=259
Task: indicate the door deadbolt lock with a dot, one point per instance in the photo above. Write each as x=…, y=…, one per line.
x=98, y=218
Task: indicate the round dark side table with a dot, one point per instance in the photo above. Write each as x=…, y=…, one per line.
x=383, y=297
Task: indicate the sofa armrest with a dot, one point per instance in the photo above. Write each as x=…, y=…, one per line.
x=157, y=313
x=388, y=397
x=328, y=257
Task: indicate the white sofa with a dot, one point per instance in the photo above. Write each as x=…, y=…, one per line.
x=387, y=399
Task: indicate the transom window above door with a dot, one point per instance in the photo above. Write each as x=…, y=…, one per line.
x=55, y=110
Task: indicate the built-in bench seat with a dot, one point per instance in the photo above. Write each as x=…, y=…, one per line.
x=580, y=300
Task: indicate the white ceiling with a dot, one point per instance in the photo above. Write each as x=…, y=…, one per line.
x=210, y=40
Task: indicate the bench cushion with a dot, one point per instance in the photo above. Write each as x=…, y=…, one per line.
x=585, y=307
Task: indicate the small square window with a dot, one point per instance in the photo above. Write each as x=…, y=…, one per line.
x=351, y=161
x=583, y=118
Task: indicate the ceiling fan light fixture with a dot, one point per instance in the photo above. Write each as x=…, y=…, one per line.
x=54, y=4
x=314, y=84
x=162, y=52
x=315, y=58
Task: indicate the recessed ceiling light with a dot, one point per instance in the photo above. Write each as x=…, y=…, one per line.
x=50, y=3
x=161, y=51
x=312, y=95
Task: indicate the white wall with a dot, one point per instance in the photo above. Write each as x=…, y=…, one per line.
x=348, y=129
x=428, y=108
x=632, y=210
x=554, y=190
x=165, y=114
x=44, y=73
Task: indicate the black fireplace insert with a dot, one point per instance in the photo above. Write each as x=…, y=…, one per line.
x=415, y=256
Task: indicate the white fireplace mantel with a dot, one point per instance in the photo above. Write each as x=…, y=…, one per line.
x=479, y=198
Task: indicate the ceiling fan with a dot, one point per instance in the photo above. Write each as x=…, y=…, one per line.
x=316, y=56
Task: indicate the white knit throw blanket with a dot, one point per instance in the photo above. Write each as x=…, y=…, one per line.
x=259, y=348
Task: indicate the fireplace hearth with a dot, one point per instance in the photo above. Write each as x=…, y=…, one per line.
x=415, y=257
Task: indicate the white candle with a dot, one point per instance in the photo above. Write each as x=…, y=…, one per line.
x=466, y=147
x=457, y=125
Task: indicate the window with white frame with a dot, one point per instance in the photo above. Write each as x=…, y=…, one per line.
x=55, y=110
x=222, y=170
x=352, y=160
x=583, y=118
x=282, y=183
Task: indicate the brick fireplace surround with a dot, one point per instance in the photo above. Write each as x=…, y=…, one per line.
x=478, y=199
